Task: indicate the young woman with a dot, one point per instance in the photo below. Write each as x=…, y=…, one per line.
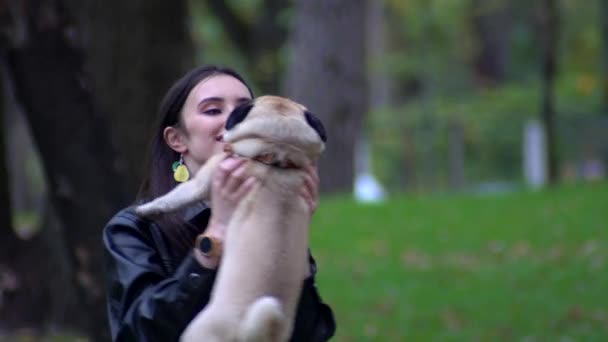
x=157, y=280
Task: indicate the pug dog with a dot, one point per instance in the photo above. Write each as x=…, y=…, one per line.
x=265, y=252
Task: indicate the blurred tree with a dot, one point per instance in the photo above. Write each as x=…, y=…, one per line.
x=24, y=265
x=5, y=196
x=492, y=27
x=604, y=60
x=134, y=51
x=549, y=21
x=327, y=72
x=46, y=69
x=258, y=38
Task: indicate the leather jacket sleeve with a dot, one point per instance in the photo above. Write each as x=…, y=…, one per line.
x=148, y=300
x=314, y=319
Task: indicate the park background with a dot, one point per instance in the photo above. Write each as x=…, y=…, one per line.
x=463, y=185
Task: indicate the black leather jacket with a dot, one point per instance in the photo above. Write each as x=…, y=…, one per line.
x=152, y=297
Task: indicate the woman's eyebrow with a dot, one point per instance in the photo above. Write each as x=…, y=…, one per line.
x=210, y=99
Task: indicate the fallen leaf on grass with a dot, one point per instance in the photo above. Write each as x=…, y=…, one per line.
x=371, y=330
x=416, y=259
x=575, y=313
x=463, y=261
x=496, y=247
x=359, y=271
x=597, y=262
x=378, y=248
x=452, y=319
x=385, y=306
x=601, y=317
x=555, y=253
x=589, y=248
x=520, y=249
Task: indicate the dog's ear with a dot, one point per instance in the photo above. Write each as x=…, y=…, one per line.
x=238, y=114
x=316, y=124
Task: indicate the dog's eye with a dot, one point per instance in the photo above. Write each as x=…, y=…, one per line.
x=316, y=124
x=238, y=114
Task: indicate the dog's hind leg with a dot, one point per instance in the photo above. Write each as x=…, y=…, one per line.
x=264, y=321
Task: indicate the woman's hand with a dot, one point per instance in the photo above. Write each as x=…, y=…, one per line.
x=228, y=186
x=310, y=188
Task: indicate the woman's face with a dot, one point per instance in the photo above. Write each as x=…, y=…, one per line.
x=204, y=114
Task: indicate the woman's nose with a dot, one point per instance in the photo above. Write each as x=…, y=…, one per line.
x=224, y=117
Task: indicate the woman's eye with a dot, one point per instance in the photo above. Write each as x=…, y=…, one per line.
x=213, y=111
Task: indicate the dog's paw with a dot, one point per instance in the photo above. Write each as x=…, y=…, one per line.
x=148, y=209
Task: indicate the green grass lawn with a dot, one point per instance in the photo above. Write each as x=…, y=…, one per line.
x=522, y=266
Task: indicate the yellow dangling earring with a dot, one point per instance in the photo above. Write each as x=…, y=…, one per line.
x=180, y=171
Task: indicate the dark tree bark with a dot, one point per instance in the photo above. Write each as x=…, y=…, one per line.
x=604, y=37
x=5, y=196
x=550, y=31
x=492, y=26
x=24, y=264
x=46, y=68
x=19, y=287
x=327, y=73
x=135, y=50
x=25, y=272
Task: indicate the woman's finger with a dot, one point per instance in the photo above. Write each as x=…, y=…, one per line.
x=309, y=193
x=234, y=176
x=245, y=187
x=310, y=201
x=309, y=185
x=314, y=172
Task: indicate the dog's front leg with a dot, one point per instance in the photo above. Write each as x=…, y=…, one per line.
x=192, y=191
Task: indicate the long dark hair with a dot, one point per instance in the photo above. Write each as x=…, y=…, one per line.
x=159, y=178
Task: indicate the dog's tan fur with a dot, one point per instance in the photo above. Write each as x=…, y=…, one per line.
x=264, y=259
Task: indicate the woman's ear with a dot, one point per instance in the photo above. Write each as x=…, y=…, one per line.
x=175, y=138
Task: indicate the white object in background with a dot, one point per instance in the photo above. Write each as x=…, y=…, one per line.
x=535, y=154
x=367, y=188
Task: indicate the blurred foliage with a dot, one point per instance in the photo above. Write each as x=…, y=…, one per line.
x=212, y=42
x=431, y=47
x=491, y=122
x=214, y=45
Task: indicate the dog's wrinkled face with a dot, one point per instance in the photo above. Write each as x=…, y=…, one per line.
x=275, y=130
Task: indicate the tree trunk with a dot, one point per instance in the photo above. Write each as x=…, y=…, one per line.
x=20, y=289
x=327, y=73
x=491, y=24
x=46, y=68
x=6, y=221
x=135, y=51
x=550, y=28
x=456, y=154
x=604, y=37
